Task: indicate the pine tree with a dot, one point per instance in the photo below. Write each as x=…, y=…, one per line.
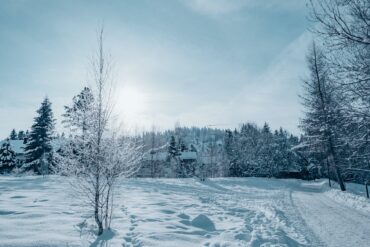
x=38, y=148
x=13, y=135
x=173, y=157
x=231, y=153
x=182, y=146
x=267, y=166
x=248, y=144
x=21, y=135
x=282, y=155
x=77, y=116
x=7, y=157
x=193, y=148
x=172, y=149
x=322, y=120
x=26, y=135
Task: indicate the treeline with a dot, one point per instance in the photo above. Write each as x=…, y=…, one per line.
x=246, y=151
x=259, y=152
x=185, y=136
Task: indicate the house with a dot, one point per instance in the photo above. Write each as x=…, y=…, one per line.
x=188, y=156
x=293, y=171
x=158, y=163
x=18, y=147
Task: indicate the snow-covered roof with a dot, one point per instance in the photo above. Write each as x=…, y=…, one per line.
x=16, y=145
x=158, y=156
x=162, y=156
x=187, y=155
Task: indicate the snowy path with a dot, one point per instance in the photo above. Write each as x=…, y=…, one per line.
x=335, y=224
x=245, y=213
x=223, y=212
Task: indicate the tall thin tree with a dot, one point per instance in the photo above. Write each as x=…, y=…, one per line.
x=322, y=112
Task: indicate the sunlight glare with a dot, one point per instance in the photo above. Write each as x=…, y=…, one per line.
x=130, y=104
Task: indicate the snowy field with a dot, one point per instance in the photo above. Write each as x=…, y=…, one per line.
x=36, y=211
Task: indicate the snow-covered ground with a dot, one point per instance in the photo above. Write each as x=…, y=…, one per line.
x=36, y=211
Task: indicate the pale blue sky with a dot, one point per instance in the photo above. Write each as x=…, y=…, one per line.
x=199, y=62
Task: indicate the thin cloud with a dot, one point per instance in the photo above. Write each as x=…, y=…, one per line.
x=221, y=7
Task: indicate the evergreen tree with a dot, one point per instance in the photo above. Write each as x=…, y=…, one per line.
x=13, y=135
x=248, y=144
x=38, y=148
x=172, y=149
x=7, y=157
x=183, y=147
x=25, y=139
x=21, y=135
x=282, y=155
x=193, y=148
x=26, y=136
x=323, y=120
x=78, y=114
x=265, y=152
x=78, y=118
x=230, y=150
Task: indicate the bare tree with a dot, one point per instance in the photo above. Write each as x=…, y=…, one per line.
x=96, y=156
x=344, y=27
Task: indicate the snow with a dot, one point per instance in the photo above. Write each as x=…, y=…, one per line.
x=159, y=156
x=203, y=222
x=336, y=217
x=38, y=211
x=16, y=145
x=187, y=155
x=163, y=156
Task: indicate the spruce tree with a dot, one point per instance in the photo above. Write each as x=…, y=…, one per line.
x=281, y=151
x=230, y=150
x=183, y=147
x=21, y=135
x=77, y=116
x=38, y=148
x=172, y=149
x=26, y=136
x=266, y=152
x=13, y=135
x=7, y=157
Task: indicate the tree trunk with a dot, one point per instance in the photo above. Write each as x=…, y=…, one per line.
x=96, y=209
x=337, y=172
x=327, y=167
x=106, y=217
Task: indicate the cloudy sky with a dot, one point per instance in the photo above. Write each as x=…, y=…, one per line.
x=197, y=62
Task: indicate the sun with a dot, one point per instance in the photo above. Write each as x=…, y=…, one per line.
x=130, y=103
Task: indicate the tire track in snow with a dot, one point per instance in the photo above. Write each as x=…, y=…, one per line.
x=273, y=221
